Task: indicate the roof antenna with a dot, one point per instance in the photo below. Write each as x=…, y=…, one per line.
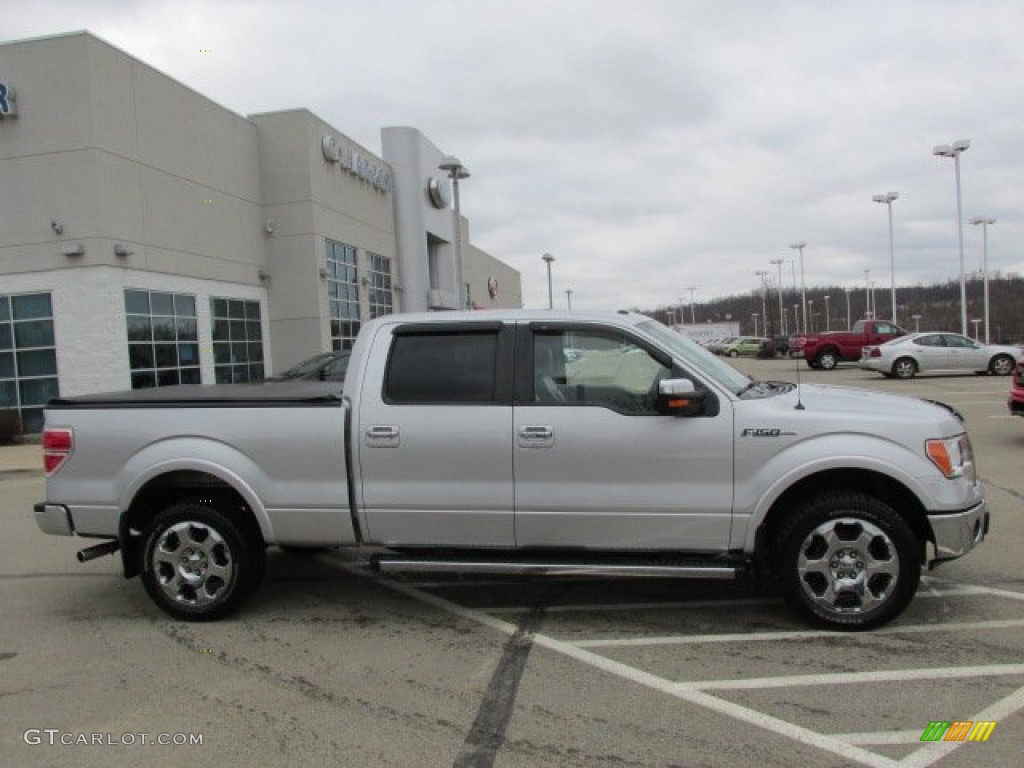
x=799, y=399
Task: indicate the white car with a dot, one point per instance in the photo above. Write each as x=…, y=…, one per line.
x=937, y=352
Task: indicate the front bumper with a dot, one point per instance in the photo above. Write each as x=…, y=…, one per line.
x=958, y=533
x=54, y=518
x=1016, y=406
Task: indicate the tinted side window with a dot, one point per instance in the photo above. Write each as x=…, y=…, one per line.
x=442, y=368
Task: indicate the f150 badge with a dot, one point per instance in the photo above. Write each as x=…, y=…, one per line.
x=763, y=432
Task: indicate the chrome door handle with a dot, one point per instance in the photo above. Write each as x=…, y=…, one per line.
x=536, y=433
x=381, y=433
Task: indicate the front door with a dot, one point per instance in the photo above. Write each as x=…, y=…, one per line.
x=597, y=467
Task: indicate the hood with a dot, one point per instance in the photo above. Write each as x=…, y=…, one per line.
x=867, y=411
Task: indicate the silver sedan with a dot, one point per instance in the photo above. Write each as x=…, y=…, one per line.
x=939, y=352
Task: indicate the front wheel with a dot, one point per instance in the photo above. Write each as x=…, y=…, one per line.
x=1001, y=365
x=848, y=561
x=199, y=564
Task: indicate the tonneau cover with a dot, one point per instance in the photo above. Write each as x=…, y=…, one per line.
x=277, y=394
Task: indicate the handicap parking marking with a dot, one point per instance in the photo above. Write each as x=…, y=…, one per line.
x=850, y=747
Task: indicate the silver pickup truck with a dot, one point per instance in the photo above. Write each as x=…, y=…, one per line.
x=525, y=443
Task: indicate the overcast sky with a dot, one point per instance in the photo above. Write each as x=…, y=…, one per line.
x=649, y=145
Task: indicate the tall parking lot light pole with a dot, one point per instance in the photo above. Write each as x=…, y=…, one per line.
x=828, y=326
x=984, y=221
x=782, y=314
x=954, y=150
x=847, y=289
x=887, y=199
x=693, y=308
x=763, y=274
x=867, y=295
x=568, y=299
x=457, y=171
x=803, y=288
x=551, y=297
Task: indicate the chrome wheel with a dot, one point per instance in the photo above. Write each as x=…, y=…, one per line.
x=193, y=564
x=827, y=361
x=848, y=565
x=1002, y=365
x=904, y=368
x=199, y=564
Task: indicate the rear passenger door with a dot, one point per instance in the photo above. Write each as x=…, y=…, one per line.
x=435, y=440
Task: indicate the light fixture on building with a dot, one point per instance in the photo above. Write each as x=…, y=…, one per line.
x=263, y=275
x=73, y=249
x=323, y=273
x=57, y=227
x=122, y=251
x=364, y=281
x=270, y=226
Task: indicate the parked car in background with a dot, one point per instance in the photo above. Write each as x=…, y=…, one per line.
x=743, y=345
x=716, y=346
x=825, y=351
x=1016, y=402
x=327, y=366
x=937, y=352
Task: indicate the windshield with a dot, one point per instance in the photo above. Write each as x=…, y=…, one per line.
x=697, y=357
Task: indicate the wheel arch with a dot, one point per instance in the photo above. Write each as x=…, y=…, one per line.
x=167, y=486
x=883, y=487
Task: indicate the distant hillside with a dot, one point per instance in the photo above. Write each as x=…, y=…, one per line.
x=938, y=305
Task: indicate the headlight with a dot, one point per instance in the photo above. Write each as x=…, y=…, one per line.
x=953, y=457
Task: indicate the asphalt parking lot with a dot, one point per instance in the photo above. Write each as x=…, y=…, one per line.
x=331, y=666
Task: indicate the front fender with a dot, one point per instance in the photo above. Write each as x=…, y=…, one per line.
x=767, y=481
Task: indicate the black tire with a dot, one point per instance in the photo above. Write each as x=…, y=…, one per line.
x=827, y=359
x=813, y=363
x=198, y=564
x=733, y=353
x=1001, y=365
x=904, y=368
x=847, y=561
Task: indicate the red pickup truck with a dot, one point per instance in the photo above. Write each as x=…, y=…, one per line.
x=826, y=350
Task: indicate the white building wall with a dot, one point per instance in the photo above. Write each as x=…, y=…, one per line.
x=89, y=320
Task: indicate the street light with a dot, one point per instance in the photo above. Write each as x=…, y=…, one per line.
x=976, y=321
x=755, y=324
x=828, y=327
x=867, y=295
x=954, y=150
x=810, y=312
x=693, y=309
x=984, y=221
x=847, y=289
x=457, y=171
x=803, y=289
x=568, y=298
x=763, y=274
x=887, y=199
x=551, y=300
x=917, y=323
x=782, y=314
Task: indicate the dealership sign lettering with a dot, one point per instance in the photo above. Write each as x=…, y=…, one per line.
x=356, y=164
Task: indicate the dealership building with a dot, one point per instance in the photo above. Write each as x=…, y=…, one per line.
x=150, y=237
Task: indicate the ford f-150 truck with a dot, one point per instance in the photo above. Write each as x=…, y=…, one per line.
x=827, y=350
x=521, y=443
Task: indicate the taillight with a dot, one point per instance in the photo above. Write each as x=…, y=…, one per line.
x=58, y=443
x=876, y=352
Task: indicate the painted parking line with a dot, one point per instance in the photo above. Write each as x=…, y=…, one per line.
x=695, y=693
x=744, y=637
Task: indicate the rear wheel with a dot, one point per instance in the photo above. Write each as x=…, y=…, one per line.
x=733, y=353
x=904, y=368
x=199, y=564
x=848, y=561
x=827, y=359
x=1001, y=365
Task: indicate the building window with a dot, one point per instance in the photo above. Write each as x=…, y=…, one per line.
x=343, y=294
x=163, y=338
x=28, y=357
x=237, y=340
x=381, y=302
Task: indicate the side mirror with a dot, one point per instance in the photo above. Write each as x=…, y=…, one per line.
x=679, y=397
